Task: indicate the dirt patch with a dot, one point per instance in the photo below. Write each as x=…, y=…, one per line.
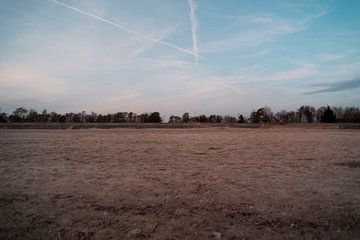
x=351, y=164
x=200, y=183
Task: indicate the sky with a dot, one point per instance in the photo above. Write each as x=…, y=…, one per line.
x=176, y=56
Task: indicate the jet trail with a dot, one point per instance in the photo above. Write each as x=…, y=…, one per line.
x=149, y=44
x=194, y=25
x=129, y=30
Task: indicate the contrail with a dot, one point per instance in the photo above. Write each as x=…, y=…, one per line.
x=148, y=44
x=124, y=28
x=194, y=25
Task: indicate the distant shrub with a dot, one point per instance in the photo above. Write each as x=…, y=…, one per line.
x=328, y=116
x=155, y=117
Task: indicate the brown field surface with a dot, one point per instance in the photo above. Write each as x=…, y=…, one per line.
x=198, y=183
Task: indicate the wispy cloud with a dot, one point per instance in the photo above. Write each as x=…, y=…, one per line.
x=256, y=19
x=194, y=26
x=122, y=27
x=24, y=82
x=302, y=72
x=271, y=28
x=246, y=38
x=348, y=68
x=335, y=87
x=251, y=76
x=323, y=11
x=247, y=19
x=331, y=57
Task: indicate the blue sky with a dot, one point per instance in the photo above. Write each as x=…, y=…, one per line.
x=197, y=56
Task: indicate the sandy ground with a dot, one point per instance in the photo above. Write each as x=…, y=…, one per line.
x=211, y=183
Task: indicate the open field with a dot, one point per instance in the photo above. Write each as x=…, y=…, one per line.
x=49, y=125
x=198, y=183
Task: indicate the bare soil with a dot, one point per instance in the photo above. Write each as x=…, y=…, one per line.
x=199, y=183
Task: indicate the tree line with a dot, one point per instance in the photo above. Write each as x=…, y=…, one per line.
x=22, y=114
x=304, y=114
x=307, y=114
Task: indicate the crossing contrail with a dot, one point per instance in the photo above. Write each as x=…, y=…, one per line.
x=149, y=44
x=122, y=27
x=194, y=25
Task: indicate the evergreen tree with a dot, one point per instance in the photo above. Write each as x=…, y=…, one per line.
x=328, y=116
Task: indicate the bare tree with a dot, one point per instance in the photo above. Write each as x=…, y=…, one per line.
x=20, y=114
x=262, y=115
x=174, y=119
x=185, y=117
